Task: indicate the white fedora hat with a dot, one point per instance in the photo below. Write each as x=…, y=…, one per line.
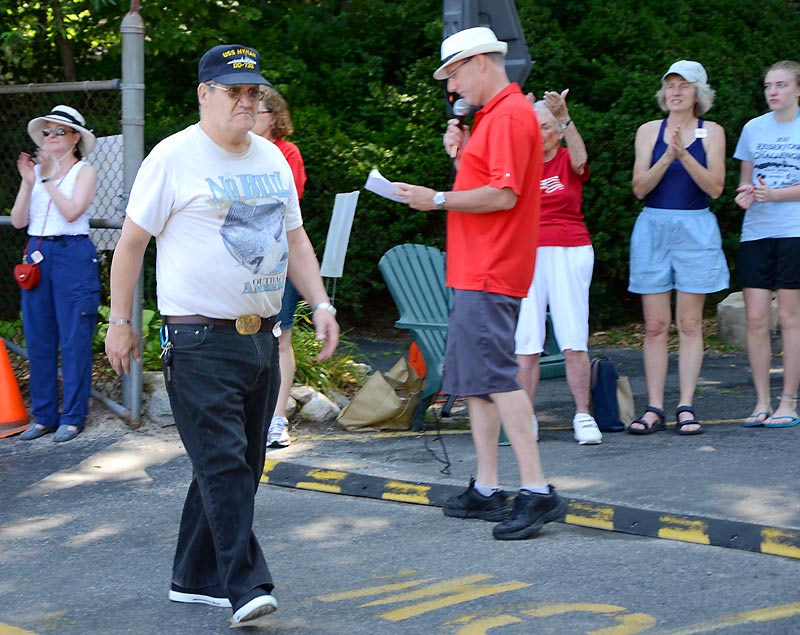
x=68, y=116
x=466, y=43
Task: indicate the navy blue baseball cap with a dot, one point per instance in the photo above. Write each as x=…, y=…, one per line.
x=231, y=64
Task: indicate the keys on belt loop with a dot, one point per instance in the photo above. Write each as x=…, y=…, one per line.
x=166, y=350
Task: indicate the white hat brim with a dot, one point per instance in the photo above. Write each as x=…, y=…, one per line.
x=478, y=49
x=35, y=127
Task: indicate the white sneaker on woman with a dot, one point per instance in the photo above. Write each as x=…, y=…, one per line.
x=586, y=430
x=278, y=433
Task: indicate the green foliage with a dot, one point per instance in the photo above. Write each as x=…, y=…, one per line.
x=11, y=330
x=338, y=372
x=357, y=75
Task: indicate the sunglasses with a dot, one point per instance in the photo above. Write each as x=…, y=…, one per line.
x=59, y=132
x=238, y=92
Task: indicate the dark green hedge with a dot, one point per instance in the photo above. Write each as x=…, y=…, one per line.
x=357, y=75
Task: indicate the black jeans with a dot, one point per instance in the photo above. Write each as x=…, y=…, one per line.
x=222, y=388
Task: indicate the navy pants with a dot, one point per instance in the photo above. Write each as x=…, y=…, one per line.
x=61, y=312
x=222, y=388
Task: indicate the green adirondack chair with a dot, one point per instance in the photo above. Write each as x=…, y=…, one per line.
x=415, y=277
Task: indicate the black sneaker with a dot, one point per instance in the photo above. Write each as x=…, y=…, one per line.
x=211, y=595
x=529, y=514
x=472, y=504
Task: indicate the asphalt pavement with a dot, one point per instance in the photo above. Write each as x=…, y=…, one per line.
x=665, y=534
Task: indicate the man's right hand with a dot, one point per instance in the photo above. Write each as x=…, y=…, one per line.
x=455, y=136
x=121, y=343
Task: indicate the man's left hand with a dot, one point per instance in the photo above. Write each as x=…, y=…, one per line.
x=327, y=329
x=415, y=196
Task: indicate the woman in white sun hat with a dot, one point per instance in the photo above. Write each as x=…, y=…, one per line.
x=57, y=187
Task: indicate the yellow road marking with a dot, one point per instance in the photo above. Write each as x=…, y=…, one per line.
x=324, y=481
x=269, y=465
x=407, y=493
x=434, y=589
x=375, y=590
x=776, y=542
x=769, y=614
x=7, y=629
x=558, y=609
x=458, y=598
x=481, y=627
x=591, y=515
x=684, y=529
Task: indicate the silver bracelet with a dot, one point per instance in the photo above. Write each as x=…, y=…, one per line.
x=119, y=321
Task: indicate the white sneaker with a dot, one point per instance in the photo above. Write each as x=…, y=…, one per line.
x=586, y=430
x=278, y=433
x=255, y=608
x=535, y=427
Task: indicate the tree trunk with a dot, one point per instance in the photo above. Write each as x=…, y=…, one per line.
x=63, y=44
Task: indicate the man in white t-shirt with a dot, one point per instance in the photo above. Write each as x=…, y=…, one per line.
x=223, y=207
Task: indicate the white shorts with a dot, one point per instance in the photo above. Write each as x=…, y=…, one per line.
x=561, y=281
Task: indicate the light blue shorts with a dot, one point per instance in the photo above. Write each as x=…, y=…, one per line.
x=677, y=249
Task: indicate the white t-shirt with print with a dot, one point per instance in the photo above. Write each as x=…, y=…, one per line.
x=220, y=221
x=774, y=150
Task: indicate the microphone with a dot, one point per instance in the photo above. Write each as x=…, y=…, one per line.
x=460, y=110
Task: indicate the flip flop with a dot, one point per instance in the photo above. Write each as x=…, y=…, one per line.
x=787, y=422
x=760, y=419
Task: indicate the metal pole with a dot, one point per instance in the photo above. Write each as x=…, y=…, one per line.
x=132, y=31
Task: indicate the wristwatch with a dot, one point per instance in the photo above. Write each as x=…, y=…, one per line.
x=439, y=200
x=325, y=306
x=561, y=127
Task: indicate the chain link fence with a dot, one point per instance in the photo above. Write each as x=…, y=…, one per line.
x=101, y=105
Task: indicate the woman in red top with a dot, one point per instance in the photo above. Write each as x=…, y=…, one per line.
x=564, y=264
x=274, y=123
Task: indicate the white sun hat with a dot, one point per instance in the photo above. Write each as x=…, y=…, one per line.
x=466, y=43
x=68, y=116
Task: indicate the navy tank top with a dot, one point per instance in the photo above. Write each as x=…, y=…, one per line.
x=677, y=190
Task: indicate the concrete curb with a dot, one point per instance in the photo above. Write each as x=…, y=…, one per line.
x=584, y=513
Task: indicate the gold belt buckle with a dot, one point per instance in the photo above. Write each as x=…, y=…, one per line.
x=248, y=324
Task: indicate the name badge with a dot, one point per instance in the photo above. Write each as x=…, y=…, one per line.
x=700, y=133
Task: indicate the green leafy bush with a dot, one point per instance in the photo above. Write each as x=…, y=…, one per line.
x=338, y=372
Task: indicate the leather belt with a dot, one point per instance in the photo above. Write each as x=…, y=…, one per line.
x=244, y=324
x=59, y=237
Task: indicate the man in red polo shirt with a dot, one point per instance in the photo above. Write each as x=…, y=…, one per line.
x=492, y=233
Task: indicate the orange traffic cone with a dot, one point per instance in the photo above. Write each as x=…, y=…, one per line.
x=13, y=414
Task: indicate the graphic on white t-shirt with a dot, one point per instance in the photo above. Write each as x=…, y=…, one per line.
x=255, y=236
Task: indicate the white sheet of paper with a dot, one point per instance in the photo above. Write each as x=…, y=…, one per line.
x=381, y=186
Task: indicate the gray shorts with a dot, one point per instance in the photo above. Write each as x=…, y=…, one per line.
x=677, y=249
x=479, y=357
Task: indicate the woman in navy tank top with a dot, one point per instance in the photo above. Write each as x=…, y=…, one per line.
x=676, y=243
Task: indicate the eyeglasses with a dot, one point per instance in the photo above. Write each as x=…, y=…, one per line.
x=452, y=73
x=59, y=132
x=238, y=92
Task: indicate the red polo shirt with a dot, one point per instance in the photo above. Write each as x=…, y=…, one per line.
x=496, y=251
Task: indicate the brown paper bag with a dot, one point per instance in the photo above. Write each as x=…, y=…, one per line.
x=627, y=409
x=387, y=401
